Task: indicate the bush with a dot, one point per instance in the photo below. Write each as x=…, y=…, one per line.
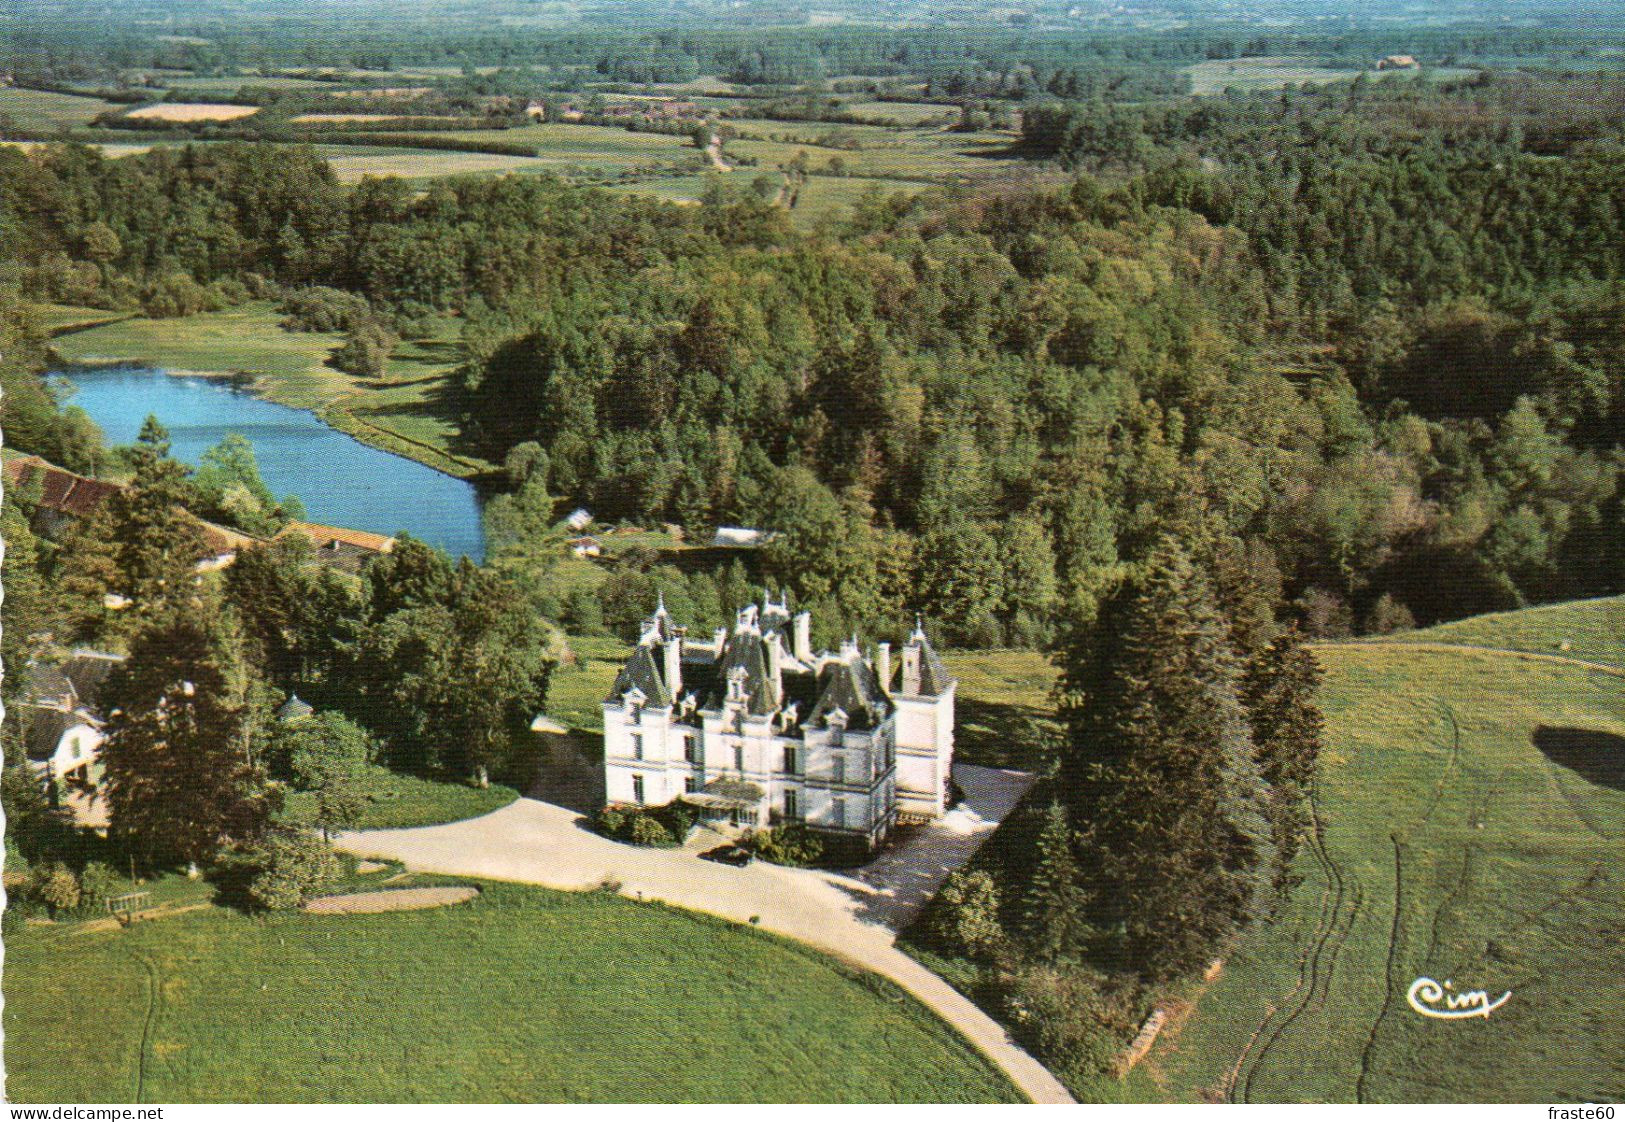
x=1388, y=616
x=647, y=831
x=964, y=917
x=366, y=349
x=611, y=820
x=55, y=886
x=319, y=308
x=793, y=845
x=97, y=883
x=1070, y=1017
x=293, y=867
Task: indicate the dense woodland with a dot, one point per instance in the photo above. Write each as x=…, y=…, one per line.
x=1272, y=366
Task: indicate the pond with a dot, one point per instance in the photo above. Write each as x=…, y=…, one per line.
x=341, y=481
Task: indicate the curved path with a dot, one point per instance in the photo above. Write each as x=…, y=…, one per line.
x=533, y=842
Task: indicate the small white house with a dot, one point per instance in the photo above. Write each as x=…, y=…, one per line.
x=585, y=546
x=64, y=748
x=739, y=536
x=580, y=518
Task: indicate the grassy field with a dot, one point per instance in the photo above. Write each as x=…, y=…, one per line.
x=1273, y=72
x=523, y=995
x=42, y=109
x=244, y=339
x=394, y=800
x=351, y=165
x=1473, y=816
x=1589, y=630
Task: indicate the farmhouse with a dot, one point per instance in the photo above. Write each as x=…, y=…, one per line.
x=340, y=548
x=753, y=728
x=60, y=719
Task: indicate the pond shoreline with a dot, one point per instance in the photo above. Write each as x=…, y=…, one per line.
x=341, y=477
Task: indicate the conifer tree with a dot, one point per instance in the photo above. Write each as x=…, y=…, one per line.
x=1054, y=913
x=1160, y=768
x=179, y=781
x=1279, y=692
x=158, y=541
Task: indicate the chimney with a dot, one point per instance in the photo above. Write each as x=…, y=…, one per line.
x=673, y=649
x=883, y=666
x=775, y=664
x=803, y=648
x=911, y=670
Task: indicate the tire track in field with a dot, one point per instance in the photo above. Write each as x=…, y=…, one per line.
x=154, y=994
x=1388, y=974
x=1331, y=933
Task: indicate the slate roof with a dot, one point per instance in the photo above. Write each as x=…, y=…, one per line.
x=294, y=709
x=934, y=676
x=642, y=672
x=852, y=687
x=44, y=729
x=88, y=671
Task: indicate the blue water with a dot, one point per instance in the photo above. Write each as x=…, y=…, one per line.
x=341, y=481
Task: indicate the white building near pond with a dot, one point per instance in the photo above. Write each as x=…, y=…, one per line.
x=754, y=728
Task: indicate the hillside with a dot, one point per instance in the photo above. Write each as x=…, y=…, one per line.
x=1472, y=808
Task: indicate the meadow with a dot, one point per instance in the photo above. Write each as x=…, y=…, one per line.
x=1273, y=72
x=43, y=109
x=1588, y=630
x=1471, y=809
x=391, y=800
x=522, y=995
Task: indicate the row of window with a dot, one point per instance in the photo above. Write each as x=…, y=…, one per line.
x=792, y=801
x=792, y=763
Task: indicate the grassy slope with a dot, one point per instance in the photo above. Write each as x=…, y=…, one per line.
x=522, y=995
x=42, y=109
x=1591, y=630
x=1456, y=850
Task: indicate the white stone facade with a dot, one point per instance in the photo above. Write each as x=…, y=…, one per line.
x=755, y=729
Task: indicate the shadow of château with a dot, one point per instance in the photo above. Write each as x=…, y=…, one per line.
x=1597, y=757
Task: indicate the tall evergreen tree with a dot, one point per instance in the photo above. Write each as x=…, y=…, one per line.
x=158, y=541
x=1279, y=692
x=1160, y=768
x=1054, y=909
x=179, y=780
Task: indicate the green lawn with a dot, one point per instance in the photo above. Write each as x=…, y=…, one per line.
x=523, y=995
x=1590, y=630
x=1002, y=697
x=42, y=109
x=393, y=800
x=1454, y=848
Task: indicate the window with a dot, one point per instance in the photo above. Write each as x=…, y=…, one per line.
x=790, y=760
x=792, y=806
x=838, y=770
x=690, y=784
x=739, y=756
x=840, y=814
x=74, y=745
x=637, y=789
x=691, y=748
x=637, y=746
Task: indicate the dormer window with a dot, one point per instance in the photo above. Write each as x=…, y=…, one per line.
x=736, y=685
x=836, y=719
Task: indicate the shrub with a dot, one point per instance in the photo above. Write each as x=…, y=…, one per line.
x=964, y=917
x=366, y=349
x=611, y=821
x=1388, y=616
x=645, y=830
x=793, y=845
x=319, y=308
x=97, y=883
x=1070, y=1016
x=55, y=886
x=293, y=867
